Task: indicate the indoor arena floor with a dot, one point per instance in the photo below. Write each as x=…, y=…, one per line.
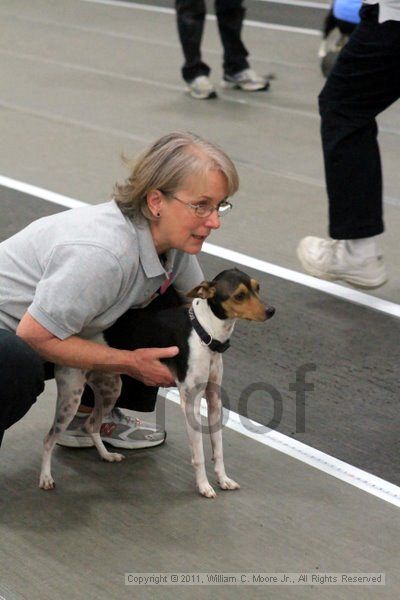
x=84, y=82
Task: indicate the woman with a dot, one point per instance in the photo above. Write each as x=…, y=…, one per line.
x=69, y=276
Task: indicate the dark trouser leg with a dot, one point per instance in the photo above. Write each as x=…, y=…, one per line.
x=191, y=16
x=364, y=81
x=21, y=379
x=134, y=394
x=230, y=15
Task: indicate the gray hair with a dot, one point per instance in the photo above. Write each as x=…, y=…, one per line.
x=165, y=166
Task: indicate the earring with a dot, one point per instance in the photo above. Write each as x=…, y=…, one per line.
x=158, y=215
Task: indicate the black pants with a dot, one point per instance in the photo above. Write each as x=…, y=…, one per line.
x=191, y=16
x=364, y=81
x=21, y=379
x=23, y=373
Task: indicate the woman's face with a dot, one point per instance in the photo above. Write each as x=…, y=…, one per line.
x=179, y=226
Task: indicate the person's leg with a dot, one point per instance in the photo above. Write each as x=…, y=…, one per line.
x=230, y=17
x=191, y=16
x=134, y=394
x=364, y=81
x=118, y=429
x=237, y=73
x=21, y=379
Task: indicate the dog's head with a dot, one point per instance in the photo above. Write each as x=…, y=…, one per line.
x=233, y=295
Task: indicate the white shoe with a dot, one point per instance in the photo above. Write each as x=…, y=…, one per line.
x=246, y=80
x=118, y=430
x=201, y=88
x=332, y=260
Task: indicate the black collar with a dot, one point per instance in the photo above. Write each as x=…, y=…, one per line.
x=214, y=345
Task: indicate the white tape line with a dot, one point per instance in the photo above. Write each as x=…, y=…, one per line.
x=41, y=193
x=319, y=460
x=300, y=3
x=171, y=11
x=339, y=291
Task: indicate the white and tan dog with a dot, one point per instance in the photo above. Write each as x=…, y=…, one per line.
x=202, y=333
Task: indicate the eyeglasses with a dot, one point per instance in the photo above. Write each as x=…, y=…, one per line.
x=204, y=209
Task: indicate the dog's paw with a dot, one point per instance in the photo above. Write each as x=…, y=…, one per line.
x=207, y=490
x=113, y=457
x=226, y=483
x=46, y=482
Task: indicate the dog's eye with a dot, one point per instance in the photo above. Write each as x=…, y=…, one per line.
x=239, y=297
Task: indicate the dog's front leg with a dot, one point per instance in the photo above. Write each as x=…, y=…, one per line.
x=70, y=384
x=190, y=404
x=106, y=388
x=214, y=410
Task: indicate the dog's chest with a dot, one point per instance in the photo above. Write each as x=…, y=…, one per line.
x=199, y=360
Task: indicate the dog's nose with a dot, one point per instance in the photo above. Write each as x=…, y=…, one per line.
x=269, y=312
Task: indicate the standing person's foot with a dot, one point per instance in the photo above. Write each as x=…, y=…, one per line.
x=335, y=260
x=201, y=88
x=246, y=80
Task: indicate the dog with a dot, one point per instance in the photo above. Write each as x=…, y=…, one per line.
x=202, y=332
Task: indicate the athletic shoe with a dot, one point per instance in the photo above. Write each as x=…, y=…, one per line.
x=332, y=260
x=117, y=429
x=246, y=80
x=330, y=48
x=201, y=88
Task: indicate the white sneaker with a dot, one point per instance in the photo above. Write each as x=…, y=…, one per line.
x=332, y=260
x=246, y=80
x=201, y=88
x=118, y=430
x=330, y=48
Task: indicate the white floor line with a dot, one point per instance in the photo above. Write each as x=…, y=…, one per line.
x=361, y=479
x=171, y=11
x=33, y=190
x=300, y=3
x=319, y=460
x=333, y=289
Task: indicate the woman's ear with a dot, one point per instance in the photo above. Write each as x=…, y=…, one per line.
x=154, y=202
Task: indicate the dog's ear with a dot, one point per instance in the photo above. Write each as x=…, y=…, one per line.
x=204, y=290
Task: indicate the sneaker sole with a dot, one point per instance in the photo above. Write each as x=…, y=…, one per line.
x=353, y=280
x=209, y=96
x=75, y=441
x=87, y=442
x=133, y=445
x=230, y=85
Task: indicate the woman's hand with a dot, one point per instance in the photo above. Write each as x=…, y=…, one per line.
x=146, y=366
x=143, y=364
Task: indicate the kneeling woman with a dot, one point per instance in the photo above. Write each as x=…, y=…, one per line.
x=67, y=277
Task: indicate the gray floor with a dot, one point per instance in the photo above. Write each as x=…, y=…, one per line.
x=143, y=515
x=82, y=83
x=351, y=412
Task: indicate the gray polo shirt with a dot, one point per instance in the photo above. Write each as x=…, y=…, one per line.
x=77, y=271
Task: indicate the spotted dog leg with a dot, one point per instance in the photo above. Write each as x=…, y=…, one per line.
x=214, y=409
x=106, y=388
x=70, y=384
